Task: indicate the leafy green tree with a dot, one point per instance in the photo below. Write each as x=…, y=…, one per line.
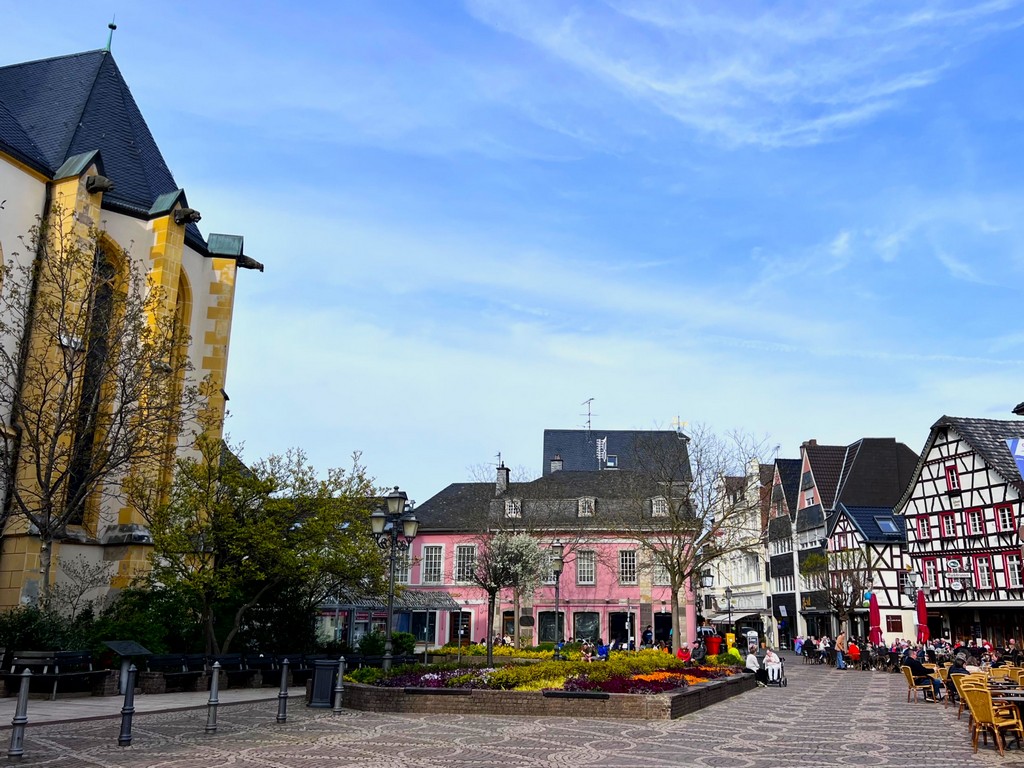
x=233, y=536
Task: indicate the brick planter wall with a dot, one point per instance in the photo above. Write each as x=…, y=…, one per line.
x=446, y=701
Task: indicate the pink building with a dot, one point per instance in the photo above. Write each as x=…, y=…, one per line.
x=608, y=589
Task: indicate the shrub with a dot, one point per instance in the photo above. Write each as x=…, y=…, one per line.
x=402, y=643
x=371, y=644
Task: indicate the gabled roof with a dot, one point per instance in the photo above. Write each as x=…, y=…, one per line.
x=578, y=447
x=789, y=475
x=867, y=521
x=827, y=465
x=53, y=109
x=876, y=472
x=988, y=439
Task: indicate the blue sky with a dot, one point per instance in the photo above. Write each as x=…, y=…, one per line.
x=795, y=219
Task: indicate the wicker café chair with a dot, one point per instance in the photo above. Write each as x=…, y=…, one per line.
x=988, y=718
x=925, y=687
x=999, y=673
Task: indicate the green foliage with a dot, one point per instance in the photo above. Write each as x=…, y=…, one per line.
x=236, y=538
x=161, y=620
x=365, y=675
x=403, y=643
x=372, y=644
x=27, y=627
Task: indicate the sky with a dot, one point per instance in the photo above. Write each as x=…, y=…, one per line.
x=795, y=219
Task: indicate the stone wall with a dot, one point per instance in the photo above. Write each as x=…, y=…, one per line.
x=456, y=701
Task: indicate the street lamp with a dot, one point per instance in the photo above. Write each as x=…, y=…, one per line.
x=828, y=586
x=393, y=531
x=912, y=584
x=848, y=605
x=557, y=563
x=728, y=599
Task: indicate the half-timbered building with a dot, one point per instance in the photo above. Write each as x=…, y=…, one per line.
x=866, y=550
x=963, y=511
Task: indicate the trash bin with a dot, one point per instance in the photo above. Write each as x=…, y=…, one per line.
x=714, y=644
x=325, y=672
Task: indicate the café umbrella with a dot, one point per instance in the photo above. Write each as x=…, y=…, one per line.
x=922, y=618
x=874, y=621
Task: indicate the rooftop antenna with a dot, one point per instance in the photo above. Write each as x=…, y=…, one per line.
x=588, y=414
x=110, y=37
x=499, y=459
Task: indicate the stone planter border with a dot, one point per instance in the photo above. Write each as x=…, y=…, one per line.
x=460, y=701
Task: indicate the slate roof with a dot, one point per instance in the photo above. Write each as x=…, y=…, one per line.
x=810, y=517
x=578, y=447
x=53, y=109
x=866, y=521
x=469, y=506
x=876, y=472
x=789, y=475
x=827, y=464
x=988, y=439
x=406, y=599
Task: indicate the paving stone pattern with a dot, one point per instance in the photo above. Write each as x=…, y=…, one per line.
x=824, y=717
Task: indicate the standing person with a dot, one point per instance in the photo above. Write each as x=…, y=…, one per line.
x=647, y=638
x=840, y=650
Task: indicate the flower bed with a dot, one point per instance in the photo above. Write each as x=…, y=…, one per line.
x=646, y=672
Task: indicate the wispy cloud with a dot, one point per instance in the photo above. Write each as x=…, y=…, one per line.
x=791, y=75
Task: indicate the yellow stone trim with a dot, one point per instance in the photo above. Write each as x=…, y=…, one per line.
x=24, y=168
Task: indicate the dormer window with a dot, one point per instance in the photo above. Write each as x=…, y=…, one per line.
x=513, y=508
x=659, y=506
x=585, y=506
x=612, y=462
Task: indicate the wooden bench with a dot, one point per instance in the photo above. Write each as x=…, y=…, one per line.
x=59, y=671
x=174, y=671
x=234, y=671
x=268, y=666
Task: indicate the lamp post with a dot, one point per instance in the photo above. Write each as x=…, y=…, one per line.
x=828, y=584
x=848, y=605
x=557, y=563
x=393, y=531
x=728, y=599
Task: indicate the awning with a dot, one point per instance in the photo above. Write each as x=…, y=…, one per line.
x=406, y=600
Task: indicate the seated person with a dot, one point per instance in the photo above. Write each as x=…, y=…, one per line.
x=773, y=665
x=587, y=650
x=754, y=666
x=922, y=674
x=602, y=650
x=683, y=654
x=853, y=651
x=699, y=652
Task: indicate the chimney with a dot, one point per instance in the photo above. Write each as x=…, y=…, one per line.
x=556, y=463
x=502, y=485
x=813, y=443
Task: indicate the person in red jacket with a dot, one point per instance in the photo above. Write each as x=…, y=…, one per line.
x=683, y=654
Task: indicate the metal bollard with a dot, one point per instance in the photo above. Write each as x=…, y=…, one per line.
x=17, y=749
x=282, y=695
x=339, y=688
x=213, y=703
x=124, y=739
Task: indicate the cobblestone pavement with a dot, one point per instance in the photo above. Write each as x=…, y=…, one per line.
x=823, y=718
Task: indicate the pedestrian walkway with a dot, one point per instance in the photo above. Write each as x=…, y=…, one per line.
x=824, y=717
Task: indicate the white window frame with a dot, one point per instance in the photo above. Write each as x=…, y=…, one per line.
x=1014, y=576
x=984, y=575
x=585, y=506
x=513, y=508
x=464, y=566
x=427, y=566
x=403, y=566
x=586, y=567
x=627, y=566
x=659, y=506
x=660, y=576
x=1005, y=519
x=931, y=572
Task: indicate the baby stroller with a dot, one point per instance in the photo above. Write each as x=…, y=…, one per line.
x=781, y=681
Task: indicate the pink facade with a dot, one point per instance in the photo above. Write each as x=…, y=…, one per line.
x=604, y=593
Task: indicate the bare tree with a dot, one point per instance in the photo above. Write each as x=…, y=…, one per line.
x=504, y=560
x=681, y=511
x=81, y=576
x=843, y=576
x=94, y=377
